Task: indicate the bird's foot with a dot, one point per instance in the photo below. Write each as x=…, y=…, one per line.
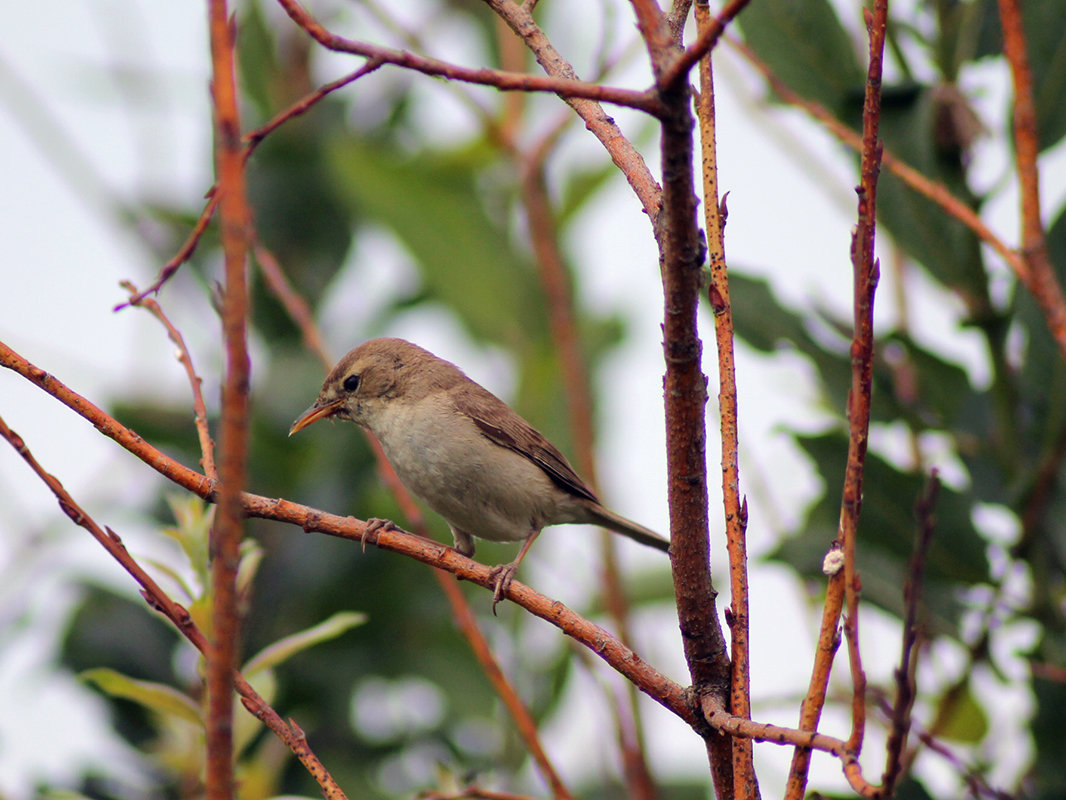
x=374, y=525
x=502, y=575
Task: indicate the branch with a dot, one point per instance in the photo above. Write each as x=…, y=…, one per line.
x=504, y=81
x=825, y=652
x=710, y=31
x=296, y=307
x=227, y=529
x=159, y=600
x=203, y=432
x=735, y=509
x=1042, y=281
x=866, y=275
x=844, y=584
x=622, y=152
x=184, y=252
x=722, y=720
x=905, y=674
x=527, y=727
x=555, y=279
x=685, y=394
x=252, y=141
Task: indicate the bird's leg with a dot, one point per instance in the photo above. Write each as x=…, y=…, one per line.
x=464, y=542
x=503, y=574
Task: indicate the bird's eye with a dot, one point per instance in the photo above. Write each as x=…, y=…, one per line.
x=351, y=383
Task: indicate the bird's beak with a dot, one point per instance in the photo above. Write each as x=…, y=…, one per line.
x=314, y=414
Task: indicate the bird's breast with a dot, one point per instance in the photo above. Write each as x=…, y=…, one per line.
x=478, y=486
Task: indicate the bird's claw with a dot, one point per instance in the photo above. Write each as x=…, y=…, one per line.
x=502, y=576
x=374, y=525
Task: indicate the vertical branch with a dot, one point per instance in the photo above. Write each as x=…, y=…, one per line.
x=685, y=389
x=866, y=273
x=736, y=511
x=226, y=533
x=843, y=583
x=1041, y=274
x=814, y=700
x=905, y=675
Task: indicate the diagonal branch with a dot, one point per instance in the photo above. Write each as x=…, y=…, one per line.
x=928, y=188
x=622, y=152
x=207, y=445
x=709, y=34
x=1042, y=280
x=158, y=599
x=502, y=80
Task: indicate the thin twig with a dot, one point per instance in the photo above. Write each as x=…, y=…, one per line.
x=504, y=81
x=178, y=616
x=1043, y=283
x=622, y=152
x=527, y=728
x=305, y=104
x=735, y=509
x=844, y=583
x=296, y=307
x=228, y=527
x=207, y=444
x=715, y=713
x=252, y=141
x=814, y=700
x=866, y=274
x=184, y=252
x=905, y=673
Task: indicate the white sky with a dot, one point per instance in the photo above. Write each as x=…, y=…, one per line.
x=65, y=254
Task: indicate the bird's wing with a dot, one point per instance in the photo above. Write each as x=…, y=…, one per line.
x=501, y=425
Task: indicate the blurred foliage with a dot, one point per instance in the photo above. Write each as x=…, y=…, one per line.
x=1009, y=431
x=322, y=181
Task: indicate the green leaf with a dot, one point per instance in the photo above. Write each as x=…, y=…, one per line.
x=270, y=657
x=917, y=385
x=967, y=722
x=257, y=61
x=806, y=47
x=944, y=246
x=434, y=206
x=758, y=318
x=157, y=697
x=192, y=532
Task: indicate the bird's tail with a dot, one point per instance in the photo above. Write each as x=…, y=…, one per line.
x=638, y=533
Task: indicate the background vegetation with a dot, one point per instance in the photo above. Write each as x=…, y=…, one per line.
x=482, y=234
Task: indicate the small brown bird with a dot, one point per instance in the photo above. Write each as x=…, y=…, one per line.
x=464, y=451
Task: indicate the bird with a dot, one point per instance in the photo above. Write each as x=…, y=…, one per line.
x=466, y=453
